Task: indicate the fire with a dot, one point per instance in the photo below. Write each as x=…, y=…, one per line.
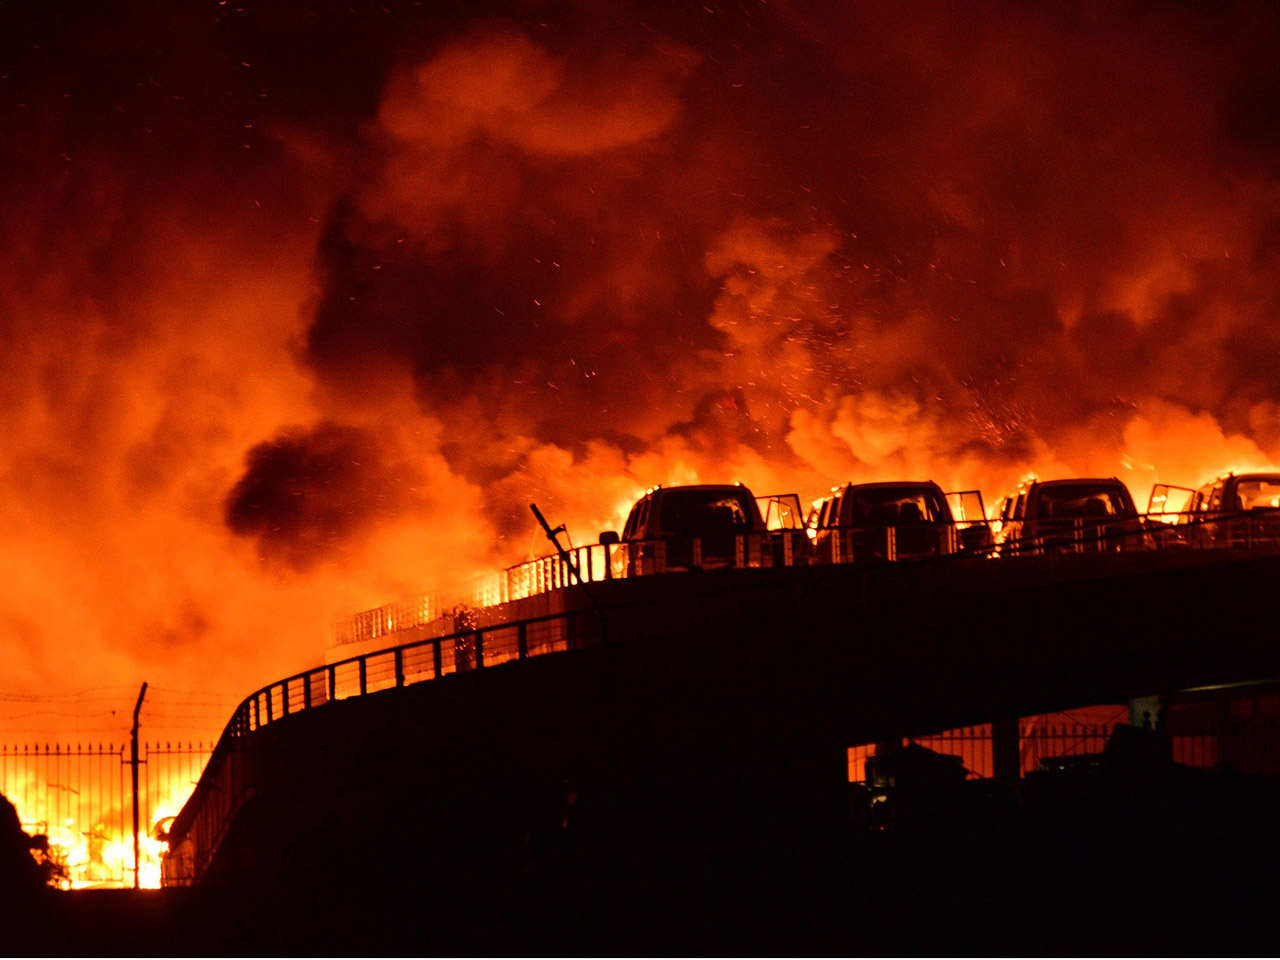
x=97, y=854
x=78, y=799
x=285, y=342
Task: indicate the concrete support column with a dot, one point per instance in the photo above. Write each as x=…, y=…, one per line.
x=1006, y=749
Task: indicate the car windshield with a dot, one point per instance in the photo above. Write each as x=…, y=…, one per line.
x=1102, y=500
x=1258, y=494
x=892, y=507
x=697, y=513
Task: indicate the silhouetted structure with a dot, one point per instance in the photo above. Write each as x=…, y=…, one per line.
x=677, y=776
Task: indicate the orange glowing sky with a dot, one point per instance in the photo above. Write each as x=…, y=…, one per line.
x=302, y=304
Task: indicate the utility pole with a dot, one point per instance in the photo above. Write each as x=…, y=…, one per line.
x=137, y=879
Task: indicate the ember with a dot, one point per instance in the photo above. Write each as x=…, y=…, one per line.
x=284, y=340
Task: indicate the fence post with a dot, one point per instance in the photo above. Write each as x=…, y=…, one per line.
x=364, y=677
x=133, y=762
x=399, y=658
x=284, y=698
x=306, y=691
x=1006, y=758
x=438, y=660
x=270, y=711
x=333, y=683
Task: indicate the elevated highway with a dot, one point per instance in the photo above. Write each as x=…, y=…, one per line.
x=707, y=711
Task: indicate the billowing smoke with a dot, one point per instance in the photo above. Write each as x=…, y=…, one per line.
x=303, y=306
x=306, y=495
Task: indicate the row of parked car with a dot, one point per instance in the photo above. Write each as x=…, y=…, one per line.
x=717, y=524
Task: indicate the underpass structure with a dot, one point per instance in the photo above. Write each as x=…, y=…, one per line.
x=697, y=716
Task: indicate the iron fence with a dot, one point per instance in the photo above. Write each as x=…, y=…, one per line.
x=1252, y=747
x=80, y=797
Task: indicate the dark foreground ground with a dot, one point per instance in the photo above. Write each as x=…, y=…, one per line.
x=1087, y=864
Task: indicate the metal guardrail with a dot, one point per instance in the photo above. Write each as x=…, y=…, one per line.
x=839, y=545
x=637, y=558
x=472, y=648
x=477, y=647
x=224, y=786
x=1201, y=531
x=388, y=619
x=844, y=545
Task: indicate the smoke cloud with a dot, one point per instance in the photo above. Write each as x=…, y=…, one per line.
x=300, y=308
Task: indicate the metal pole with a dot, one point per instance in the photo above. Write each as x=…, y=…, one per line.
x=137, y=880
x=554, y=537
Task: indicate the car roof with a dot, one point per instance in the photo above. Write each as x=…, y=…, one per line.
x=701, y=486
x=1261, y=475
x=884, y=484
x=1076, y=481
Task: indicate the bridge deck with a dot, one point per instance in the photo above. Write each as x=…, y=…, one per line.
x=784, y=664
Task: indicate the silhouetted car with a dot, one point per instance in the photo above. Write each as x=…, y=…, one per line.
x=888, y=521
x=1071, y=516
x=1235, y=509
x=707, y=526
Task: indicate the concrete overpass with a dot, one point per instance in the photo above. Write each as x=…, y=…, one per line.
x=702, y=711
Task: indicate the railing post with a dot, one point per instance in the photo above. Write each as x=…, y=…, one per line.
x=437, y=660
x=364, y=676
x=257, y=713
x=522, y=640
x=270, y=712
x=333, y=683
x=306, y=691
x=399, y=658
x=479, y=649
x=284, y=698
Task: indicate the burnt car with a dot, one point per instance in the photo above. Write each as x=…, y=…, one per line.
x=1079, y=515
x=1231, y=510
x=707, y=526
x=892, y=520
